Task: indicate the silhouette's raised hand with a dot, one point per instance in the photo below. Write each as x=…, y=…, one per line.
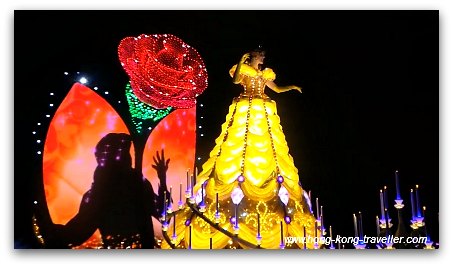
x=161, y=166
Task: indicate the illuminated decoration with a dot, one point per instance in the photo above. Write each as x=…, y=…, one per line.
x=176, y=134
x=248, y=166
x=83, y=80
x=37, y=231
x=140, y=111
x=215, y=227
x=164, y=71
x=308, y=201
x=237, y=195
x=81, y=120
x=199, y=196
x=283, y=195
x=287, y=219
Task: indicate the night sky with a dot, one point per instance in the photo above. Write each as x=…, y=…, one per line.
x=370, y=102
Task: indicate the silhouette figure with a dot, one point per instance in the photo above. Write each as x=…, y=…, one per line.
x=120, y=202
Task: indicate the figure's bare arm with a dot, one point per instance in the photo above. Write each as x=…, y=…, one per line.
x=161, y=167
x=237, y=78
x=79, y=228
x=280, y=89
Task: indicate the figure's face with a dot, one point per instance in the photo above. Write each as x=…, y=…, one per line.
x=258, y=59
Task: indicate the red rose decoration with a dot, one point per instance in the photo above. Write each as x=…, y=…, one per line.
x=164, y=71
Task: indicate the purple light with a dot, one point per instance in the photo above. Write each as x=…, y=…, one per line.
x=187, y=223
x=233, y=220
x=237, y=195
x=287, y=219
x=241, y=178
x=280, y=179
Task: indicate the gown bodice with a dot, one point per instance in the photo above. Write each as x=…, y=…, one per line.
x=253, y=80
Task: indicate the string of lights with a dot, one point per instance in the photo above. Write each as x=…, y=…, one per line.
x=140, y=111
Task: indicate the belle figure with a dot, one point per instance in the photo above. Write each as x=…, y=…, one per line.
x=249, y=186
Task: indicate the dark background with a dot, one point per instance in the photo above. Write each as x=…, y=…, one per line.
x=370, y=103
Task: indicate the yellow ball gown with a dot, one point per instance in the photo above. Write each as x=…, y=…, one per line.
x=251, y=145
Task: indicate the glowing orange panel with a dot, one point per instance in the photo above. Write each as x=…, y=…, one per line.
x=176, y=135
x=82, y=119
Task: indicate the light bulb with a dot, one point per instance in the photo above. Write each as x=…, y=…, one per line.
x=83, y=80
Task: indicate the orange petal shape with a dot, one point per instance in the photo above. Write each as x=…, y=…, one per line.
x=82, y=119
x=176, y=134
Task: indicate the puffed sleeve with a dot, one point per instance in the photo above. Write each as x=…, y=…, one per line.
x=232, y=70
x=269, y=74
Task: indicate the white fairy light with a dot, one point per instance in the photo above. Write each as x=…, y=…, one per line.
x=83, y=80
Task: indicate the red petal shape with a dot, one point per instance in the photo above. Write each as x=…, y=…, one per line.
x=164, y=71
